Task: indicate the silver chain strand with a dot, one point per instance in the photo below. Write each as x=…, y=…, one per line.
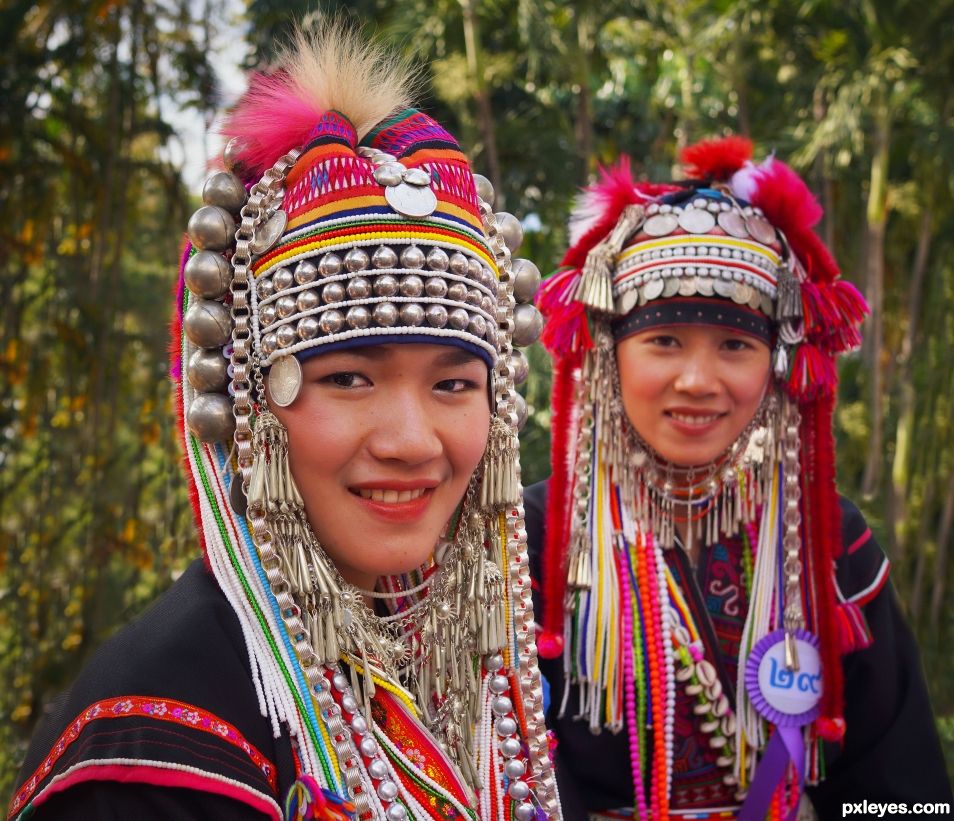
x=793, y=615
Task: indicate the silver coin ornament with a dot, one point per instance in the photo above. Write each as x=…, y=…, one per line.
x=269, y=233
x=225, y=190
x=732, y=223
x=696, y=221
x=211, y=228
x=411, y=200
x=485, y=189
x=760, y=229
x=284, y=380
x=528, y=325
x=207, y=275
x=207, y=324
x=510, y=229
x=660, y=225
x=207, y=370
x=652, y=289
x=210, y=417
x=526, y=280
x=627, y=301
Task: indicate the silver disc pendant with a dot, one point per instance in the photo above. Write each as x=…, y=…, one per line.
x=660, y=225
x=704, y=287
x=687, y=286
x=732, y=223
x=760, y=229
x=268, y=234
x=284, y=380
x=652, y=289
x=411, y=200
x=742, y=294
x=696, y=221
x=627, y=301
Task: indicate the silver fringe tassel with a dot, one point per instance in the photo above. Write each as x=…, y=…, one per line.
x=595, y=288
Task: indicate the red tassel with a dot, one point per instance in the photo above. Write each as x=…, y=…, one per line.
x=853, y=631
x=566, y=330
x=716, y=159
x=812, y=373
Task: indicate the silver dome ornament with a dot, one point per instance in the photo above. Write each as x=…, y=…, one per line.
x=333, y=292
x=526, y=280
x=485, y=189
x=268, y=233
x=501, y=705
x=385, y=314
x=456, y=291
x=518, y=790
x=508, y=746
x=358, y=317
x=210, y=417
x=234, y=149
x=225, y=190
x=396, y=812
x=412, y=314
x=269, y=344
x=474, y=269
x=211, y=228
x=267, y=314
x=458, y=264
x=285, y=306
x=528, y=325
x=436, y=316
x=265, y=288
x=330, y=265
x=306, y=272
x=477, y=326
x=208, y=370
x=412, y=257
x=417, y=176
x=284, y=381
x=207, y=275
x=521, y=410
x=525, y=812
x=386, y=285
x=384, y=257
x=515, y=768
x=520, y=365
x=285, y=336
x=207, y=324
x=435, y=287
x=489, y=305
x=308, y=328
x=510, y=229
x=437, y=259
x=358, y=288
x=473, y=297
x=412, y=286
x=282, y=279
x=458, y=319
x=307, y=300
x=357, y=259
x=331, y=322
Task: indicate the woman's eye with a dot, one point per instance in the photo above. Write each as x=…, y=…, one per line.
x=346, y=379
x=736, y=344
x=664, y=341
x=455, y=385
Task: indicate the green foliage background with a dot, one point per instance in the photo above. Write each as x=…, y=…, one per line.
x=93, y=517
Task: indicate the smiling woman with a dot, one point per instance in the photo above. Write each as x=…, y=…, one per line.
x=359, y=641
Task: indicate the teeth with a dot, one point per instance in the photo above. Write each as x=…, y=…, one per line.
x=390, y=496
x=694, y=420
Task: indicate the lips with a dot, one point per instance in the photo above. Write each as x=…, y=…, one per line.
x=390, y=496
x=700, y=419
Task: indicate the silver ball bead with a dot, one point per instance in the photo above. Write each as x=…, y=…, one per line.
x=501, y=706
x=234, y=148
x=518, y=790
x=331, y=322
x=210, y=417
x=526, y=280
x=473, y=297
x=492, y=336
x=308, y=328
x=436, y=316
x=358, y=317
x=437, y=259
x=474, y=269
x=349, y=704
x=515, y=768
x=265, y=287
x=359, y=288
x=396, y=812
x=340, y=681
x=412, y=257
x=267, y=314
x=333, y=292
x=384, y=257
x=307, y=300
x=498, y=684
x=494, y=663
x=510, y=229
x=412, y=314
x=457, y=291
x=521, y=366
x=368, y=746
x=528, y=325
x=387, y=790
x=211, y=228
x=485, y=189
x=207, y=275
x=305, y=272
x=525, y=812
x=269, y=344
x=282, y=279
x=489, y=280
x=435, y=287
x=330, y=265
x=359, y=724
x=207, y=324
x=285, y=306
x=488, y=305
x=285, y=336
x=521, y=410
x=225, y=190
x=458, y=264
x=477, y=326
x=208, y=370
x=412, y=285
x=377, y=769
x=357, y=259
x=458, y=319
x=386, y=285
x=385, y=314
x=510, y=746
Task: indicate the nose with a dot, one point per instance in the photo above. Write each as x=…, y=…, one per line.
x=402, y=430
x=698, y=375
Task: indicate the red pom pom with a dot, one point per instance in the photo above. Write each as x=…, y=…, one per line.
x=549, y=645
x=831, y=729
x=716, y=159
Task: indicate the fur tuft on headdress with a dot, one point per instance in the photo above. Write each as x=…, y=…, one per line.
x=716, y=159
x=333, y=67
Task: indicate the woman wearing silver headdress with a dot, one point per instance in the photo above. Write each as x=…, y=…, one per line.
x=358, y=642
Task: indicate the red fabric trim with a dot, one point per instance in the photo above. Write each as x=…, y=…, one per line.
x=160, y=776
x=880, y=579
x=157, y=709
x=862, y=540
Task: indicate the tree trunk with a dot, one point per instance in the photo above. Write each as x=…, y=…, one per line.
x=583, y=125
x=940, y=564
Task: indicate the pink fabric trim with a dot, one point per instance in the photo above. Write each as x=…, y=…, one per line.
x=159, y=776
x=859, y=542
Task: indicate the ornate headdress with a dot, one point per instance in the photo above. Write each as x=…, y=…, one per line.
x=345, y=219
x=733, y=246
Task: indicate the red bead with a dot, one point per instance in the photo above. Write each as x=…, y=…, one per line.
x=831, y=729
x=550, y=644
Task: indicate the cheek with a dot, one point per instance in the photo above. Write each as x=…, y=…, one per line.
x=466, y=439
